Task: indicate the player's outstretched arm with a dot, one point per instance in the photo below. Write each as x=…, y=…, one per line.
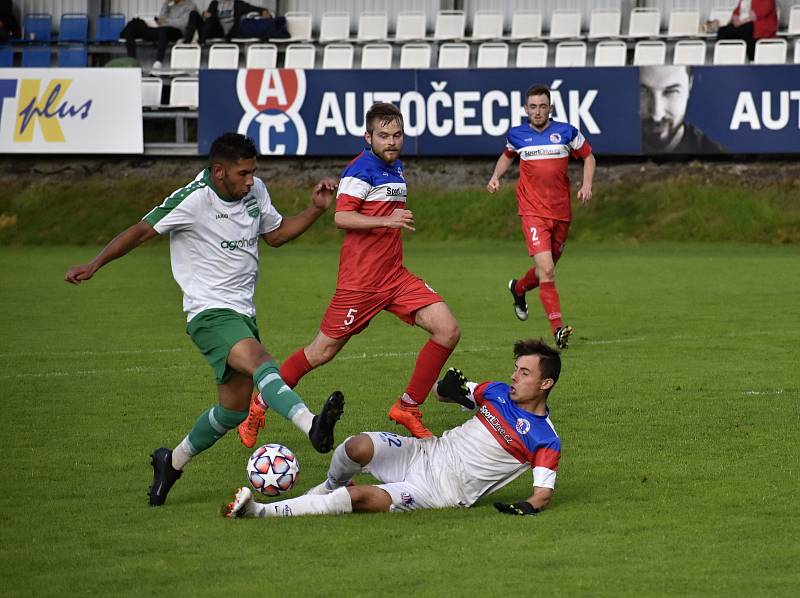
x=503, y=164
x=124, y=242
x=352, y=220
x=532, y=506
x=294, y=226
x=585, y=192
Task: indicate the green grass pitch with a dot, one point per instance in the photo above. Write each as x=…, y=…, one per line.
x=678, y=410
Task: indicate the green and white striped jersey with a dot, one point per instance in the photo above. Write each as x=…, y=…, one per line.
x=214, y=243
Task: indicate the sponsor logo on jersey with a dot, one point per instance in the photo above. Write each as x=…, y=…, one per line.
x=523, y=426
x=555, y=137
x=494, y=423
x=240, y=244
x=541, y=151
x=396, y=192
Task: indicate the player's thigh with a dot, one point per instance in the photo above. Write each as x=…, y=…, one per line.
x=350, y=312
x=560, y=232
x=236, y=392
x=537, y=233
x=392, y=456
x=412, y=295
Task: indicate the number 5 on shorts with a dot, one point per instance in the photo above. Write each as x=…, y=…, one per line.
x=351, y=316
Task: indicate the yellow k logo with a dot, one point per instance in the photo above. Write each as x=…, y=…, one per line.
x=46, y=110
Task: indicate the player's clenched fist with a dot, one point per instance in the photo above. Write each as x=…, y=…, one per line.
x=401, y=218
x=493, y=185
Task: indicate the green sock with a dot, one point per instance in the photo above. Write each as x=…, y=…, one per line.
x=213, y=425
x=275, y=392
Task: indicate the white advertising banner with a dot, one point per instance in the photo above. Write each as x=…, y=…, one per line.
x=71, y=111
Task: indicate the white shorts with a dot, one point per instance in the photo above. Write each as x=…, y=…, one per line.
x=409, y=472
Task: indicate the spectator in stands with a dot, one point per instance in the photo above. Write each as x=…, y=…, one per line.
x=223, y=18
x=178, y=18
x=751, y=20
x=663, y=97
x=9, y=26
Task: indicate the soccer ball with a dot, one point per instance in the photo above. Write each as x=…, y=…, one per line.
x=272, y=469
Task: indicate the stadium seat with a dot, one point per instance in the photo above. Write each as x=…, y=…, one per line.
x=223, y=56
x=689, y=52
x=261, y=56
x=410, y=26
x=109, y=28
x=770, y=51
x=610, y=53
x=649, y=53
x=338, y=56
x=604, y=23
x=565, y=24
x=570, y=54
x=453, y=56
x=492, y=55
x=684, y=22
x=376, y=56
x=151, y=92
x=645, y=22
x=37, y=27
x=797, y=51
x=730, y=51
x=487, y=24
x=373, y=26
x=794, y=21
x=184, y=93
x=526, y=24
x=532, y=55
x=334, y=27
x=185, y=57
x=74, y=27
x=6, y=56
x=450, y=24
x=415, y=56
x=300, y=56
x=73, y=56
x=298, y=24
x=36, y=56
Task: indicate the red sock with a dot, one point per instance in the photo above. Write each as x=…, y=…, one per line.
x=548, y=295
x=527, y=282
x=430, y=361
x=295, y=367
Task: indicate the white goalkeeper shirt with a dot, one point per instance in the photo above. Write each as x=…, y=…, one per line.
x=214, y=243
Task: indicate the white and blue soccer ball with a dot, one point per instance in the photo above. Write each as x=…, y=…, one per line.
x=272, y=469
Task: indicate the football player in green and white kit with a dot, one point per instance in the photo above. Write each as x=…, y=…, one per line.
x=214, y=225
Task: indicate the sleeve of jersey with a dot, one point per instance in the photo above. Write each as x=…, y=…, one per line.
x=352, y=193
x=545, y=465
x=175, y=213
x=510, y=151
x=579, y=147
x=478, y=390
x=270, y=217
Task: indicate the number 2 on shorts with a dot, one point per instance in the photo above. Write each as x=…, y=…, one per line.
x=534, y=235
x=351, y=316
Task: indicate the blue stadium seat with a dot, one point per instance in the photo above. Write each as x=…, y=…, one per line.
x=74, y=27
x=36, y=56
x=73, y=56
x=37, y=27
x=6, y=56
x=109, y=27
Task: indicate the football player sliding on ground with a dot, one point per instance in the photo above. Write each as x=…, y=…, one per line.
x=510, y=433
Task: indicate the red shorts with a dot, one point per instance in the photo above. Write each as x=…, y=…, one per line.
x=350, y=312
x=544, y=234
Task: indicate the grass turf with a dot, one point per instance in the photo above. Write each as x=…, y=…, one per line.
x=677, y=410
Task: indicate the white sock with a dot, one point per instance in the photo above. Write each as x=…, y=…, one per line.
x=302, y=418
x=335, y=503
x=182, y=454
x=342, y=468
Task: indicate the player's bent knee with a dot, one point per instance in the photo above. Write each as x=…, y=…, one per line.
x=360, y=449
x=369, y=499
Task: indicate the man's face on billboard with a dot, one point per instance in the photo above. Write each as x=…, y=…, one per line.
x=663, y=95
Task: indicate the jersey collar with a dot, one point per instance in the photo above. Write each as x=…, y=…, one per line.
x=210, y=182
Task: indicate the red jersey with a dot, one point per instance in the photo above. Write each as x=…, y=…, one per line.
x=371, y=259
x=543, y=188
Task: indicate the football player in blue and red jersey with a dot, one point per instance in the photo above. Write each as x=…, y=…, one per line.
x=544, y=147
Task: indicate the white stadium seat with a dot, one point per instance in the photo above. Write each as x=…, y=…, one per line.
x=300, y=56
x=684, y=22
x=610, y=53
x=373, y=26
x=262, y=56
x=645, y=22
x=376, y=56
x=604, y=23
x=492, y=55
x=689, y=52
x=794, y=20
x=730, y=51
x=450, y=24
x=338, y=56
x=649, y=53
x=797, y=51
x=526, y=24
x=453, y=56
x=532, y=55
x=184, y=92
x=415, y=56
x=298, y=24
x=334, y=27
x=223, y=56
x=770, y=51
x=487, y=24
x=565, y=24
x=185, y=57
x=570, y=54
x=151, y=91
x=410, y=26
